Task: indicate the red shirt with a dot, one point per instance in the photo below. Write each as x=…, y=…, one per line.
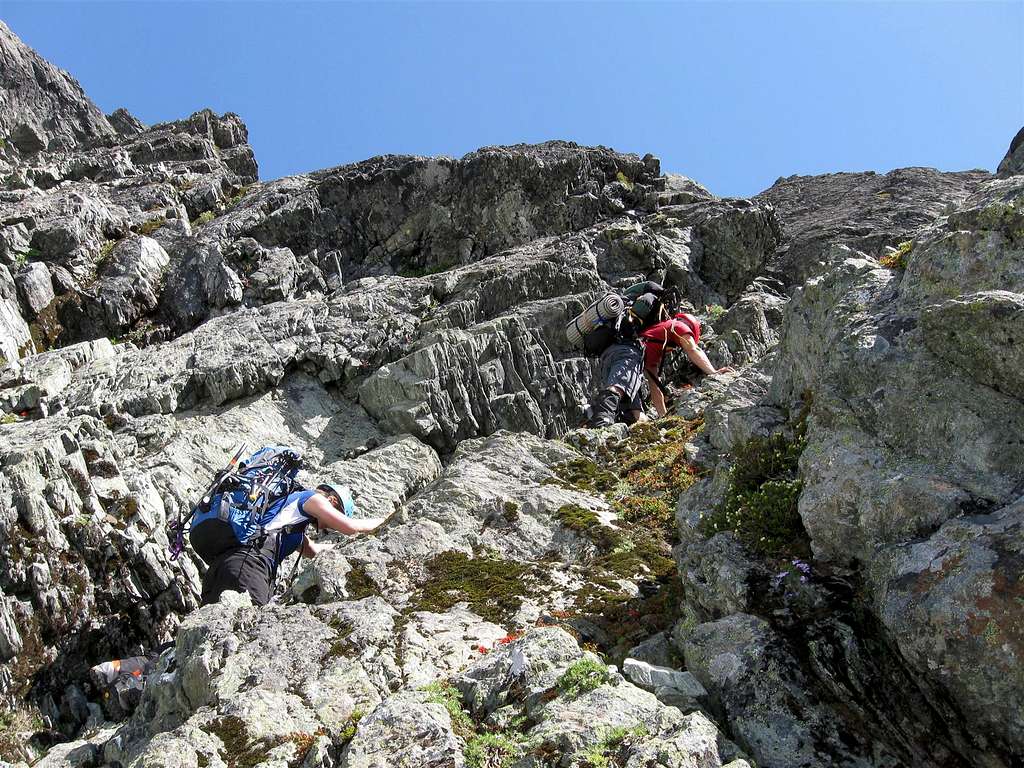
x=660, y=337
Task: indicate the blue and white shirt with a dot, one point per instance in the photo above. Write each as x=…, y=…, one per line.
x=288, y=513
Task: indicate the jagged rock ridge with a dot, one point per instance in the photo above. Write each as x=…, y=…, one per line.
x=400, y=321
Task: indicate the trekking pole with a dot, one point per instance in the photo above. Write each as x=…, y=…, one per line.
x=295, y=570
x=262, y=488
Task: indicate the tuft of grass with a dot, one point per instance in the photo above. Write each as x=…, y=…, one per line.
x=511, y=511
x=448, y=695
x=492, y=750
x=583, y=676
x=624, y=180
x=105, y=250
x=898, y=259
x=203, y=218
x=348, y=731
x=602, y=754
x=151, y=226
x=21, y=258
x=237, y=198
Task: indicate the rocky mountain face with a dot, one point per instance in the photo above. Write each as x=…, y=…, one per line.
x=816, y=560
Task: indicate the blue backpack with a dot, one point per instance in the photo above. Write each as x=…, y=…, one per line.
x=241, y=501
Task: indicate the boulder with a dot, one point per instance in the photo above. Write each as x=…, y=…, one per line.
x=35, y=288
x=762, y=692
x=952, y=603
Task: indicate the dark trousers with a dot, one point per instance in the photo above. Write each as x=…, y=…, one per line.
x=246, y=569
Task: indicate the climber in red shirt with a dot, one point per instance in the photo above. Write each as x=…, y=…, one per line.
x=681, y=331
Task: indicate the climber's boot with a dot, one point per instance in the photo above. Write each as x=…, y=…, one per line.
x=605, y=408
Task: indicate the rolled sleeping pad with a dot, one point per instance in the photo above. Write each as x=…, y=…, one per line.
x=608, y=307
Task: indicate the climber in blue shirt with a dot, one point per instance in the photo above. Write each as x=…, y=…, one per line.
x=252, y=568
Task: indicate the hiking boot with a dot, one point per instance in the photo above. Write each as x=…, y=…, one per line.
x=604, y=410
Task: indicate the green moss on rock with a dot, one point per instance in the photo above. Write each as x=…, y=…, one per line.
x=586, y=523
x=584, y=474
x=239, y=749
x=358, y=583
x=493, y=587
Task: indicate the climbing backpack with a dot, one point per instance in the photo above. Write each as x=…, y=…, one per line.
x=615, y=318
x=120, y=683
x=649, y=303
x=239, y=503
x=595, y=327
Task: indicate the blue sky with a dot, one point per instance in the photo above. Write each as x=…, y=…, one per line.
x=732, y=94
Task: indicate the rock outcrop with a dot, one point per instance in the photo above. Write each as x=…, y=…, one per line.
x=815, y=560
x=42, y=107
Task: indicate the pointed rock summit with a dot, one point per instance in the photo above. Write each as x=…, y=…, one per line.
x=1013, y=162
x=42, y=107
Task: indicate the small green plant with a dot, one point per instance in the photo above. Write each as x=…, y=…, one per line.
x=601, y=754
x=583, y=676
x=714, y=312
x=106, y=249
x=348, y=731
x=151, y=226
x=203, y=218
x=898, y=258
x=21, y=258
x=9, y=418
x=624, y=180
x=760, y=504
x=511, y=510
x=492, y=750
x=237, y=198
x=448, y=695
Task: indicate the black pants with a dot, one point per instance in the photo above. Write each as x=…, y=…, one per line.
x=246, y=569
